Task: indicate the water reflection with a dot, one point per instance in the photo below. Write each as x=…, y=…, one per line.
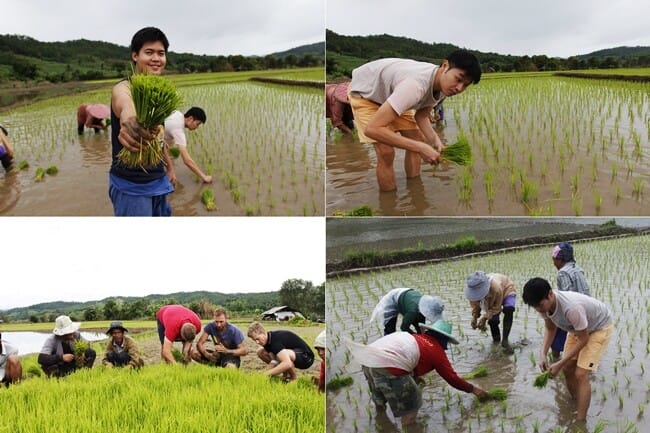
x=32, y=342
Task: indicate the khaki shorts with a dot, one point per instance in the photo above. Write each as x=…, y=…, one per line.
x=364, y=110
x=589, y=356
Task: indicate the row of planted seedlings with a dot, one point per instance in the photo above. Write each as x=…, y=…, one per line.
x=265, y=143
x=556, y=145
x=142, y=398
x=618, y=275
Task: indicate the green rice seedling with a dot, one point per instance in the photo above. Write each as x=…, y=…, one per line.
x=53, y=169
x=480, y=371
x=23, y=165
x=40, y=174
x=174, y=152
x=598, y=201
x=459, y=152
x=339, y=382
x=637, y=188
x=207, y=198
x=542, y=379
x=154, y=98
x=80, y=348
x=498, y=393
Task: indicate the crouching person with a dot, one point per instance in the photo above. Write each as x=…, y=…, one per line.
x=283, y=349
x=11, y=370
x=228, y=340
x=57, y=357
x=121, y=350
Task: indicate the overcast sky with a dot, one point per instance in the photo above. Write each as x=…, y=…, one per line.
x=560, y=28
x=84, y=259
x=218, y=27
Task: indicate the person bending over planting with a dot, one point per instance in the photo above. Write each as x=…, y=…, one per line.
x=121, y=350
x=394, y=362
x=59, y=355
x=139, y=190
x=175, y=134
x=229, y=345
x=11, y=371
x=412, y=305
x=588, y=323
x=283, y=349
x=176, y=323
x=390, y=96
x=492, y=293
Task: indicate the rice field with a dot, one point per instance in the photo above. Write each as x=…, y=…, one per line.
x=542, y=145
x=617, y=271
x=263, y=144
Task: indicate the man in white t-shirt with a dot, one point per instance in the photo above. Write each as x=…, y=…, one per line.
x=175, y=126
x=397, y=95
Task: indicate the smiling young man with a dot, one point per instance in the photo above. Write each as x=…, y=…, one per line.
x=140, y=191
x=588, y=323
x=397, y=95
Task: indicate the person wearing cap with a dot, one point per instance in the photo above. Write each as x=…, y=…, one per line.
x=228, y=340
x=337, y=106
x=394, y=362
x=284, y=350
x=121, y=349
x=412, y=305
x=391, y=101
x=6, y=151
x=58, y=356
x=492, y=293
x=11, y=370
x=177, y=323
x=570, y=277
x=92, y=116
x=320, y=345
x=588, y=323
x=175, y=126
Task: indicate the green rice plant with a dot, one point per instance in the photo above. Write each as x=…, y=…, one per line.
x=23, y=165
x=40, y=174
x=542, y=379
x=80, y=347
x=498, y=393
x=51, y=170
x=598, y=201
x=175, y=152
x=637, y=188
x=154, y=98
x=339, y=382
x=480, y=371
x=459, y=153
x=207, y=198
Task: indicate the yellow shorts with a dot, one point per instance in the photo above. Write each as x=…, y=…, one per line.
x=589, y=357
x=364, y=110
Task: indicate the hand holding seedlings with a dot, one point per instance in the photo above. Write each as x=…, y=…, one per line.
x=134, y=136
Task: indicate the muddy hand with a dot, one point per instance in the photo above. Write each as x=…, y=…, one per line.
x=133, y=135
x=429, y=154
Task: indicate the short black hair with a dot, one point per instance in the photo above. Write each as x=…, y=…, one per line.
x=197, y=113
x=148, y=34
x=535, y=291
x=463, y=59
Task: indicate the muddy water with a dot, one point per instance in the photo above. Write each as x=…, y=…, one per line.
x=579, y=155
x=617, y=272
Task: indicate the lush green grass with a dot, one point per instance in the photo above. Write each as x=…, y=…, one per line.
x=163, y=398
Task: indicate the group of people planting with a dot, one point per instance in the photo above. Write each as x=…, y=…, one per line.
x=577, y=331
x=66, y=350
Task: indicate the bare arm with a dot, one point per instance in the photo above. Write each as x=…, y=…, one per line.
x=549, y=334
x=171, y=172
x=189, y=162
x=423, y=122
x=132, y=134
x=200, y=345
x=285, y=363
x=166, y=352
x=240, y=350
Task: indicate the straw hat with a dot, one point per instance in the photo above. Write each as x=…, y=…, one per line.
x=442, y=327
x=116, y=325
x=431, y=307
x=99, y=111
x=320, y=340
x=478, y=285
x=64, y=326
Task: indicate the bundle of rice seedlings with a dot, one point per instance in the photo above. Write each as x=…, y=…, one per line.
x=480, y=371
x=542, y=379
x=80, y=348
x=498, y=393
x=338, y=382
x=459, y=152
x=23, y=165
x=174, y=152
x=40, y=174
x=207, y=198
x=53, y=169
x=154, y=98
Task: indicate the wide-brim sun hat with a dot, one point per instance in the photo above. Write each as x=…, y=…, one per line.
x=320, y=340
x=99, y=111
x=431, y=307
x=64, y=325
x=116, y=325
x=478, y=285
x=441, y=327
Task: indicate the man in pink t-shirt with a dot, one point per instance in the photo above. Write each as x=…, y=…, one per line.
x=177, y=323
x=397, y=95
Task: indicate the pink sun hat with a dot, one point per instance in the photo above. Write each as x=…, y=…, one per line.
x=99, y=111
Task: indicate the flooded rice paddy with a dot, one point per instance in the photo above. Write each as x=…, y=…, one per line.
x=617, y=271
x=541, y=145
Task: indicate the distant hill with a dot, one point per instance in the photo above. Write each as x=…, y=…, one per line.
x=344, y=53
x=25, y=58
